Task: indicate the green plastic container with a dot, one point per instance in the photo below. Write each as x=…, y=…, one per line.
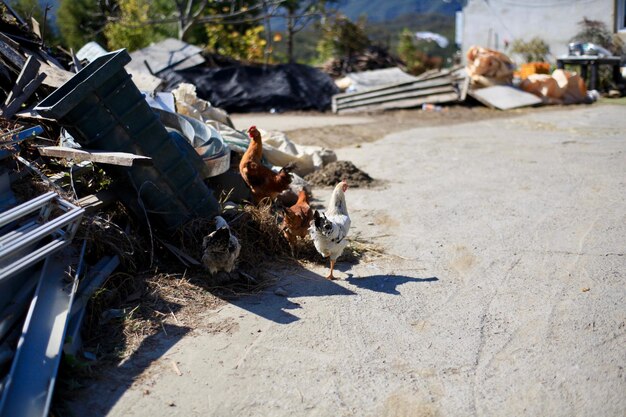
x=103, y=109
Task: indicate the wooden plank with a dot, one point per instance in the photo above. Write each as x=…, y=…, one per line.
x=438, y=86
x=434, y=99
x=145, y=81
x=429, y=75
x=10, y=110
x=112, y=158
x=401, y=96
x=464, y=88
x=405, y=104
x=26, y=84
x=504, y=97
x=396, y=94
x=29, y=71
x=56, y=77
x=392, y=90
x=414, y=84
x=10, y=53
x=75, y=61
x=36, y=27
x=98, y=201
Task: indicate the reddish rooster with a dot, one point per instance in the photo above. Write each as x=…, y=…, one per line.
x=263, y=182
x=297, y=220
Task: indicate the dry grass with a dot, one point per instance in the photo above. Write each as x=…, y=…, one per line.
x=28, y=188
x=262, y=241
x=106, y=238
x=141, y=300
x=130, y=308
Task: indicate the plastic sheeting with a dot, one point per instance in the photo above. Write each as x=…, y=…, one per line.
x=260, y=89
x=361, y=81
x=562, y=87
x=487, y=67
x=278, y=150
x=188, y=104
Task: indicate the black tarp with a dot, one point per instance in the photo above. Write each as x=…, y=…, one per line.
x=239, y=89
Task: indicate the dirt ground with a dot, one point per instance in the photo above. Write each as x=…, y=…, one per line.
x=498, y=289
x=337, y=131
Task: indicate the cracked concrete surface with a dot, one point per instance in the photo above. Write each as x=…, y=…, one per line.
x=502, y=291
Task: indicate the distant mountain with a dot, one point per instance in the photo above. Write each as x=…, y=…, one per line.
x=383, y=10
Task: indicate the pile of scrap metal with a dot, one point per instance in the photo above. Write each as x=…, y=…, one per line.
x=165, y=156
x=392, y=89
x=41, y=277
x=159, y=165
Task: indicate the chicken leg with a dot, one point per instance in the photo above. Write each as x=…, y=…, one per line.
x=332, y=266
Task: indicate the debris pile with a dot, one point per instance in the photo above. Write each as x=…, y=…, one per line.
x=562, y=87
x=101, y=185
x=487, y=67
x=335, y=172
x=489, y=77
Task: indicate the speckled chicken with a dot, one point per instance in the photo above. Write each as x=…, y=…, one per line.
x=220, y=248
x=329, y=230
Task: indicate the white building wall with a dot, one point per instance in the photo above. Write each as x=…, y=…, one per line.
x=491, y=23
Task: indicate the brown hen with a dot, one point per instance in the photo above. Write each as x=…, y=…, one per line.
x=263, y=182
x=297, y=220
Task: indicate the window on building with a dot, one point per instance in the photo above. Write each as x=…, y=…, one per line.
x=621, y=15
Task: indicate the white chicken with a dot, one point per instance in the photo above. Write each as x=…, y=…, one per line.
x=330, y=229
x=220, y=248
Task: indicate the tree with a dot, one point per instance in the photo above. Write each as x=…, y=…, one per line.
x=407, y=50
x=236, y=31
x=81, y=21
x=342, y=38
x=415, y=56
x=28, y=9
x=247, y=46
x=299, y=14
x=132, y=29
x=534, y=50
x=188, y=14
x=136, y=23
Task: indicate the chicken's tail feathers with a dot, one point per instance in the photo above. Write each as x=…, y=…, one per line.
x=220, y=223
x=318, y=219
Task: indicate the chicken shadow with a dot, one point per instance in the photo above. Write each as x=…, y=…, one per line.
x=385, y=283
x=296, y=283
